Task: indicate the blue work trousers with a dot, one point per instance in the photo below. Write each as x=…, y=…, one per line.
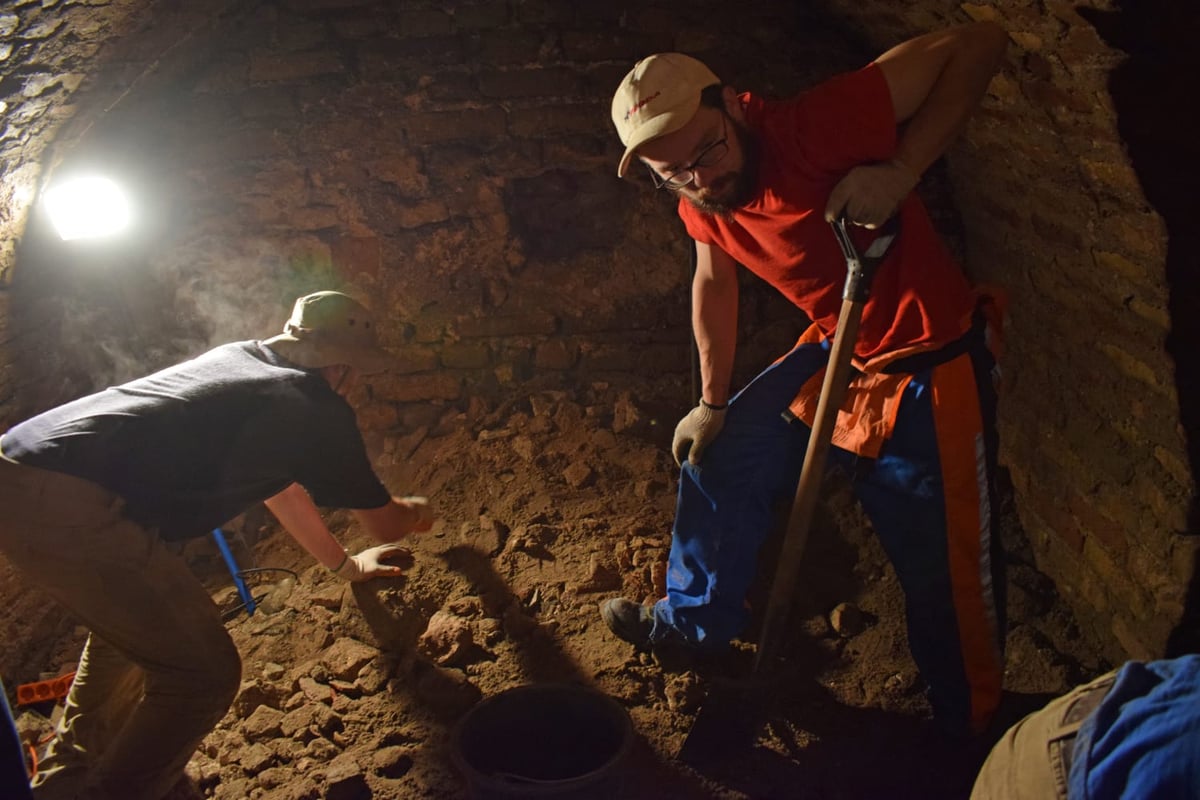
x=929, y=495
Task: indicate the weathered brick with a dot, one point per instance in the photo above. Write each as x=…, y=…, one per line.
x=418, y=387
x=448, y=126
x=412, y=358
x=1141, y=234
x=592, y=46
x=1167, y=500
x=357, y=255
x=499, y=48
x=1093, y=523
x=466, y=355
x=654, y=358
x=527, y=324
x=295, y=66
x=377, y=417
x=1185, y=558
x=555, y=354
x=399, y=58
x=424, y=22
x=1026, y=40
x=423, y=213
x=537, y=82
x=1050, y=509
x=452, y=88
x=544, y=12
x=1115, y=176
x=476, y=16
x=1130, y=365
x=541, y=121
x=1089, y=588
x=1173, y=461
x=981, y=13
x=1128, y=632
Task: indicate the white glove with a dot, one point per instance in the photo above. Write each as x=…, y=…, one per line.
x=370, y=563
x=695, y=432
x=870, y=194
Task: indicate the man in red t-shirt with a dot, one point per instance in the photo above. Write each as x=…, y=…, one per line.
x=758, y=182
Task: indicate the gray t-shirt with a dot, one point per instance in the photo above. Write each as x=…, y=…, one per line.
x=196, y=444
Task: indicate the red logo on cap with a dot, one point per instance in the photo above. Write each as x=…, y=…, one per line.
x=640, y=105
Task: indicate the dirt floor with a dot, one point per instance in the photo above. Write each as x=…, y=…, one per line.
x=550, y=504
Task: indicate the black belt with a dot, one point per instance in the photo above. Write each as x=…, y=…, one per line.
x=910, y=365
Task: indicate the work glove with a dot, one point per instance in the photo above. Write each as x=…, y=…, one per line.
x=421, y=511
x=869, y=195
x=696, y=431
x=370, y=563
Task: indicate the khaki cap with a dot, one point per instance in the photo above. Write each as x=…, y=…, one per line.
x=328, y=328
x=659, y=95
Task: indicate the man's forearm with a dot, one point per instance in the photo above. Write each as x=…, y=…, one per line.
x=714, y=322
x=299, y=516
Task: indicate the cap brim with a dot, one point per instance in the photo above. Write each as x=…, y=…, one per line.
x=667, y=122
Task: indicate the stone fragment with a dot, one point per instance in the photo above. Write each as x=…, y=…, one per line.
x=600, y=578
x=255, y=758
x=625, y=414
x=274, y=777
x=392, y=762
x=449, y=640
x=658, y=577
x=847, y=619
x=321, y=749
x=314, y=719
x=251, y=695
x=235, y=789
x=346, y=657
x=524, y=447
x=578, y=474
x=263, y=723
x=315, y=692
x=374, y=675
x=329, y=596
x=344, y=780
x=683, y=692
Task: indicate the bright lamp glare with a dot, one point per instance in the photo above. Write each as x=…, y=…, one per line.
x=87, y=208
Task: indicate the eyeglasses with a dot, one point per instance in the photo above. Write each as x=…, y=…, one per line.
x=709, y=157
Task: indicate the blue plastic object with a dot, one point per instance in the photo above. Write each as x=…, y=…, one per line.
x=227, y=554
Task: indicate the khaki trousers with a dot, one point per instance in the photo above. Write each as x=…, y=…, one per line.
x=158, y=670
x=1032, y=760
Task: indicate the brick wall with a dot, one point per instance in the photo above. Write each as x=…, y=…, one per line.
x=1054, y=209
x=452, y=163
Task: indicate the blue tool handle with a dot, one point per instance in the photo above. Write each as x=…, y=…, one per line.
x=227, y=554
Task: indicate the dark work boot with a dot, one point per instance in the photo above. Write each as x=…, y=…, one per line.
x=629, y=620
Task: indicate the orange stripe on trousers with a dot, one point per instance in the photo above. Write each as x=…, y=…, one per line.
x=959, y=429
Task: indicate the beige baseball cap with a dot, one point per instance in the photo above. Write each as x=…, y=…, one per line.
x=328, y=328
x=659, y=95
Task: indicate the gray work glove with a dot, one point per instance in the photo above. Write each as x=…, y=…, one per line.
x=695, y=432
x=370, y=563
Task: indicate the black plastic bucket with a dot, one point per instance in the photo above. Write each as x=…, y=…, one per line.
x=552, y=740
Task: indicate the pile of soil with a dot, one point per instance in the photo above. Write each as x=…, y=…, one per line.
x=549, y=504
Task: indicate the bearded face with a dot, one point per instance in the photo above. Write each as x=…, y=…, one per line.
x=732, y=188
